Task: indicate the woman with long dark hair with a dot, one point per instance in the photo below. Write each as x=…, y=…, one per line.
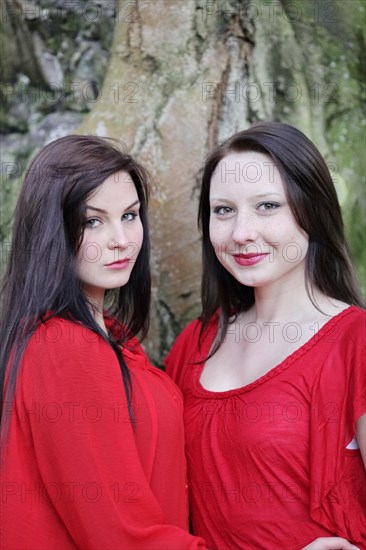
x=273, y=373
x=92, y=451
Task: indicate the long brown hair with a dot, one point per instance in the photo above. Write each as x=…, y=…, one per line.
x=41, y=280
x=313, y=200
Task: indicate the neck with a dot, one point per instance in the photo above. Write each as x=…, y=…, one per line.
x=291, y=303
x=281, y=305
x=99, y=319
x=283, y=301
x=96, y=307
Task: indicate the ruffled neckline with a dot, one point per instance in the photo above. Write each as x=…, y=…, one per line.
x=198, y=389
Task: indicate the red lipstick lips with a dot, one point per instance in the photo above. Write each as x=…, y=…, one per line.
x=249, y=259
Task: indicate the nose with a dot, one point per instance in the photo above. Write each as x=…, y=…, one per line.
x=118, y=238
x=245, y=229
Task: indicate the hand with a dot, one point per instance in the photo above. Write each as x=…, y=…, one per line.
x=330, y=543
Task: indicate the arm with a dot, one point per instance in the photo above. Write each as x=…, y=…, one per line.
x=85, y=445
x=330, y=543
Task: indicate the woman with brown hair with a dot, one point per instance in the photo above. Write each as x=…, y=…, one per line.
x=92, y=450
x=273, y=372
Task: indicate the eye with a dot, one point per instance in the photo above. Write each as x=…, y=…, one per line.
x=268, y=206
x=222, y=210
x=130, y=216
x=92, y=222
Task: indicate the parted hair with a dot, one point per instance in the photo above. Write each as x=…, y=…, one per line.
x=41, y=279
x=313, y=201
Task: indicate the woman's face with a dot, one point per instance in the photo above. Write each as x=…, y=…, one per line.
x=113, y=235
x=252, y=228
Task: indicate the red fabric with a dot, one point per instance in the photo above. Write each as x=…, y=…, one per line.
x=74, y=473
x=268, y=466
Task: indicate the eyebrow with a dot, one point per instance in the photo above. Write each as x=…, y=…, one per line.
x=90, y=207
x=258, y=196
x=270, y=193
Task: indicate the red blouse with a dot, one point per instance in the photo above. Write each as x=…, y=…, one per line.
x=74, y=472
x=268, y=463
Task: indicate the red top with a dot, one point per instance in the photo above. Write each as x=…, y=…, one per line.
x=74, y=472
x=268, y=465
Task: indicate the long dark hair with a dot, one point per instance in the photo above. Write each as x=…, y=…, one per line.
x=41, y=280
x=313, y=200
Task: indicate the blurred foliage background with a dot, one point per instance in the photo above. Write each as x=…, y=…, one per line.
x=173, y=78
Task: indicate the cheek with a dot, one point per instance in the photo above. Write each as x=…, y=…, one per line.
x=304, y=245
x=293, y=245
x=89, y=253
x=219, y=239
x=136, y=238
x=140, y=234
x=82, y=266
x=300, y=238
x=219, y=234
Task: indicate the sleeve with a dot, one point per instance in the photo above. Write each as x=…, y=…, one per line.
x=358, y=382
x=183, y=350
x=338, y=401
x=84, y=443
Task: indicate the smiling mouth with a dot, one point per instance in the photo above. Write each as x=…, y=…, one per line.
x=251, y=255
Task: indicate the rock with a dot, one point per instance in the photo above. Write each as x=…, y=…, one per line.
x=49, y=64
x=54, y=126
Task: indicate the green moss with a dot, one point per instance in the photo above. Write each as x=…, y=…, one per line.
x=9, y=123
x=335, y=81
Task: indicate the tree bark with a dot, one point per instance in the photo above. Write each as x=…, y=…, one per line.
x=16, y=45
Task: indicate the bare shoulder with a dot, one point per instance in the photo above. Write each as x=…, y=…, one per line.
x=331, y=309
x=331, y=306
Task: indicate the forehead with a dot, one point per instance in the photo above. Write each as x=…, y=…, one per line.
x=115, y=187
x=250, y=170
